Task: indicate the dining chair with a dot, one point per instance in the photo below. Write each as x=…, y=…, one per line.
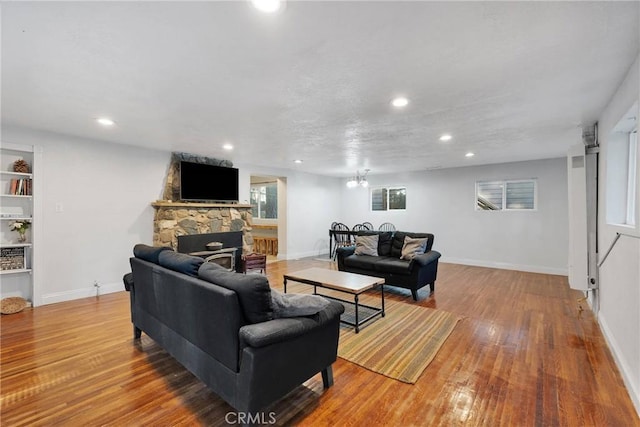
x=387, y=226
x=341, y=239
x=359, y=227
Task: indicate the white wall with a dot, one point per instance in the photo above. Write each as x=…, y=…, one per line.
x=442, y=202
x=105, y=191
x=618, y=297
x=313, y=203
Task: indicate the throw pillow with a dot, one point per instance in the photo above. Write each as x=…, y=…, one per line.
x=253, y=291
x=296, y=305
x=182, y=263
x=413, y=247
x=366, y=245
x=149, y=253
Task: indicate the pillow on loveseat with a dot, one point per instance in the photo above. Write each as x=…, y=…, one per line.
x=296, y=305
x=385, y=238
x=254, y=293
x=149, y=253
x=398, y=241
x=367, y=245
x=182, y=263
x=413, y=247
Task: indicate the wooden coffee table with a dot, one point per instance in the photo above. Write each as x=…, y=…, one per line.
x=350, y=283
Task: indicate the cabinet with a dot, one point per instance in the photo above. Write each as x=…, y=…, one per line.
x=17, y=195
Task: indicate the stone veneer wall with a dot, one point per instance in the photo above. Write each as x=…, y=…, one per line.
x=178, y=219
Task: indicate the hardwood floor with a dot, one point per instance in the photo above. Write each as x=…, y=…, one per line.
x=523, y=355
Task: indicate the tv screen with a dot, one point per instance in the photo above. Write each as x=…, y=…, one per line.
x=200, y=182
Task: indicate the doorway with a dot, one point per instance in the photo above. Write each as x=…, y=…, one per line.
x=267, y=196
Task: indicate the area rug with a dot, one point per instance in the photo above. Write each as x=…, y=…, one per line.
x=401, y=344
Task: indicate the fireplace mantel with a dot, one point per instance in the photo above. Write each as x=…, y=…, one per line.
x=192, y=205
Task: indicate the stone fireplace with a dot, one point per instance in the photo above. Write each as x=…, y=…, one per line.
x=173, y=219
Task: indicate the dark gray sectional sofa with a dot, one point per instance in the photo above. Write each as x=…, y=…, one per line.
x=422, y=270
x=220, y=325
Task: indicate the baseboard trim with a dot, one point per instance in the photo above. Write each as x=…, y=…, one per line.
x=105, y=288
x=632, y=388
x=305, y=255
x=507, y=266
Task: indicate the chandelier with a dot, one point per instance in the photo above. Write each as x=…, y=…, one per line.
x=359, y=180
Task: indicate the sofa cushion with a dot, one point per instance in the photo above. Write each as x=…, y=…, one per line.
x=149, y=253
x=367, y=245
x=413, y=247
x=392, y=265
x=360, y=261
x=384, y=243
x=254, y=293
x=397, y=243
x=182, y=263
x=296, y=305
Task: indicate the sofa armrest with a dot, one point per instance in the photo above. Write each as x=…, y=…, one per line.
x=345, y=251
x=426, y=258
x=127, y=279
x=284, y=329
x=342, y=253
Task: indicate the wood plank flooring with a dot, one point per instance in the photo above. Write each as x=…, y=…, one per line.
x=524, y=355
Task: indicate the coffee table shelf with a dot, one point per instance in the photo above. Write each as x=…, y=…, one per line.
x=350, y=283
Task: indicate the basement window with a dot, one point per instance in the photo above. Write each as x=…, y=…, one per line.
x=506, y=195
x=622, y=172
x=632, y=177
x=622, y=192
x=388, y=198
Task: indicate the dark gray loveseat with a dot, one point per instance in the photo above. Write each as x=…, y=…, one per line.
x=220, y=326
x=422, y=270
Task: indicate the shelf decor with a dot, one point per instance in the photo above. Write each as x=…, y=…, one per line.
x=21, y=227
x=21, y=166
x=12, y=258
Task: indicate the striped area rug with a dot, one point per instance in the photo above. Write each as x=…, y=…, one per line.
x=401, y=344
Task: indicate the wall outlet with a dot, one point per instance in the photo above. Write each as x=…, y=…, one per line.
x=96, y=284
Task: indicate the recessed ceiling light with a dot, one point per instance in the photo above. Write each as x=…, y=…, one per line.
x=227, y=146
x=267, y=6
x=445, y=137
x=469, y=154
x=105, y=121
x=400, y=102
x=297, y=161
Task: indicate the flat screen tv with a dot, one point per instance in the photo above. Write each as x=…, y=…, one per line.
x=200, y=182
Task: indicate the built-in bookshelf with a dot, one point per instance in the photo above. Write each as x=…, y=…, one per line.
x=17, y=265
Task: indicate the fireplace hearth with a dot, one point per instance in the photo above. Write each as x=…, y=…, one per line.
x=196, y=244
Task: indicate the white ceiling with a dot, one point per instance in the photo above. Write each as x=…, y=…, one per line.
x=509, y=80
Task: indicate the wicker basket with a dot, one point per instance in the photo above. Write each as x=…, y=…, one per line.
x=12, y=305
